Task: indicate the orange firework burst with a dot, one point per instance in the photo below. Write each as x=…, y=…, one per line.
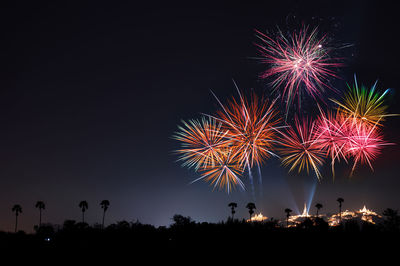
x=299, y=148
x=251, y=128
x=200, y=142
x=225, y=172
x=240, y=136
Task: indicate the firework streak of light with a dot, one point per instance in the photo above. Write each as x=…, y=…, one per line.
x=241, y=135
x=251, y=128
x=365, y=143
x=301, y=62
x=200, y=142
x=251, y=125
x=332, y=135
x=299, y=148
x=247, y=131
x=363, y=104
x=225, y=173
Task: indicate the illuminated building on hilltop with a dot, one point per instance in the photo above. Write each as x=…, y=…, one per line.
x=363, y=214
x=257, y=218
x=297, y=219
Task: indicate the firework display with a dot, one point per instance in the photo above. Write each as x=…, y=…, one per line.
x=363, y=104
x=298, y=63
x=225, y=172
x=300, y=149
x=241, y=135
x=251, y=128
x=201, y=142
x=248, y=130
x=332, y=135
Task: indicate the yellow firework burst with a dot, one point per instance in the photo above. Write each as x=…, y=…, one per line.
x=200, y=143
x=363, y=104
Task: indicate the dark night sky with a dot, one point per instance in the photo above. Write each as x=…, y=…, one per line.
x=91, y=94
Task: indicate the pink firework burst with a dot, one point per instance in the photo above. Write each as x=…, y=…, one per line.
x=333, y=131
x=365, y=143
x=300, y=62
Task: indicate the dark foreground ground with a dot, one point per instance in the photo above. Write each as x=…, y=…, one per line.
x=232, y=241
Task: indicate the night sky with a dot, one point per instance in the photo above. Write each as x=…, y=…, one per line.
x=90, y=96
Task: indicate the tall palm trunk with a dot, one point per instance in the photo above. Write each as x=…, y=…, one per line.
x=340, y=212
x=102, y=224
x=16, y=222
x=83, y=216
x=40, y=217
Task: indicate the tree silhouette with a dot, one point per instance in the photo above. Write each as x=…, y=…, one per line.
x=340, y=200
x=392, y=221
x=17, y=209
x=104, y=205
x=318, y=206
x=288, y=211
x=41, y=206
x=84, y=206
x=251, y=206
x=232, y=205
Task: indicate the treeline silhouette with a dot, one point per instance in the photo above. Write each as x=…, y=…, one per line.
x=184, y=232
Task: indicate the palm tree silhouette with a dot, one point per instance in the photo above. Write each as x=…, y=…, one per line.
x=251, y=206
x=233, y=205
x=318, y=206
x=104, y=205
x=41, y=206
x=340, y=200
x=17, y=209
x=288, y=211
x=84, y=206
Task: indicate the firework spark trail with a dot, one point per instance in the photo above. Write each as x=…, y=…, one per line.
x=345, y=136
x=299, y=148
x=300, y=62
x=244, y=129
x=251, y=128
x=200, y=142
x=245, y=132
x=365, y=143
x=332, y=136
x=253, y=194
x=363, y=104
x=260, y=181
x=224, y=173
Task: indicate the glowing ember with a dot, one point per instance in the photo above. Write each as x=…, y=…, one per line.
x=258, y=218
